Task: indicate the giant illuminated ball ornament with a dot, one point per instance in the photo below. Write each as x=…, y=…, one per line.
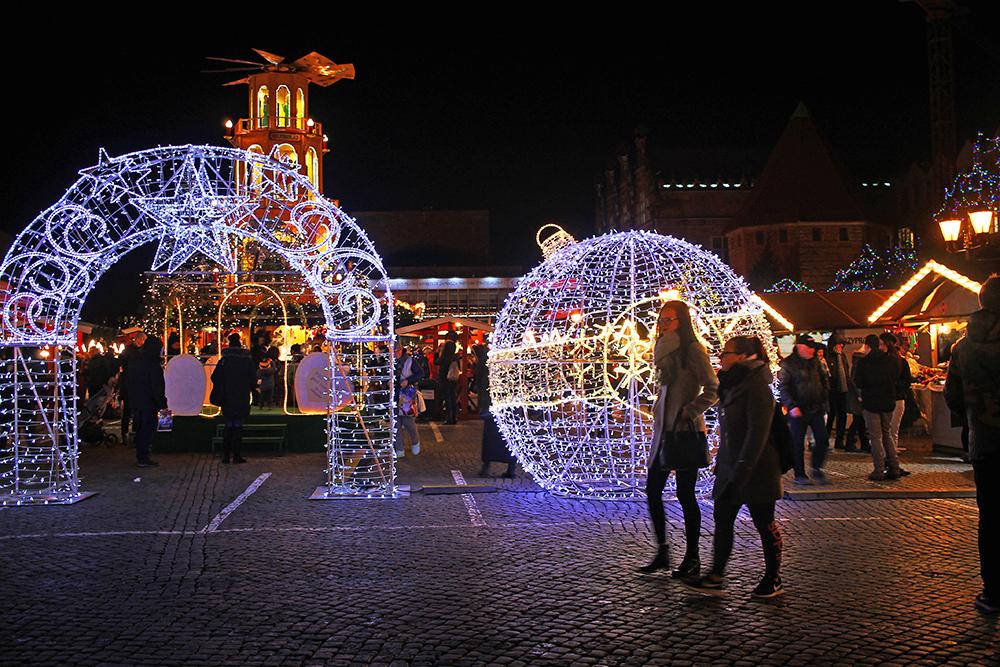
x=571, y=370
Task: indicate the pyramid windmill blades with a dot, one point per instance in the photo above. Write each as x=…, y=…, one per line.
x=232, y=60
x=231, y=69
x=269, y=57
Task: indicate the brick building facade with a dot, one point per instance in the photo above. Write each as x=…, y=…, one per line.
x=802, y=217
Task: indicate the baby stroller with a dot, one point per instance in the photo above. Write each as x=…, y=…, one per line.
x=90, y=423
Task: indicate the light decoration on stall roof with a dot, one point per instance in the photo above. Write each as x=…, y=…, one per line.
x=190, y=200
x=930, y=266
x=769, y=309
x=875, y=269
x=788, y=285
x=573, y=396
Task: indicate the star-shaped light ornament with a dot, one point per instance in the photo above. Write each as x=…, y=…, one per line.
x=194, y=218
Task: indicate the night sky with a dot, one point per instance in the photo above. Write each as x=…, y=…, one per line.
x=507, y=112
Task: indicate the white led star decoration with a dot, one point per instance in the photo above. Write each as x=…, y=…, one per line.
x=190, y=200
x=194, y=218
x=571, y=372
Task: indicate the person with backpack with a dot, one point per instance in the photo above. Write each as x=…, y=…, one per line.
x=803, y=387
x=687, y=389
x=748, y=465
x=409, y=404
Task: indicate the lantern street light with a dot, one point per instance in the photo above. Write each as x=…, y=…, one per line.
x=975, y=194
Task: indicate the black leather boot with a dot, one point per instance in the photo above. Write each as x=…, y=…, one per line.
x=237, y=441
x=660, y=562
x=689, y=567
x=227, y=443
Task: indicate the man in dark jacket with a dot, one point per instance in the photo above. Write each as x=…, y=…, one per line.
x=875, y=376
x=973, y=389
x=803, y=388
x=448, y=389
x=127, y=357
x=839, y=380
x=146, y=395
x=233, y=381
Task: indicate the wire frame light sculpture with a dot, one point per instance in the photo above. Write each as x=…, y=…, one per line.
x=571, y=370
x=188, y=200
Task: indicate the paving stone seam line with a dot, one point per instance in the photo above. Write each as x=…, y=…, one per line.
x=348, y=529
x=956, y=503
x=475, y=516
x=213, y=526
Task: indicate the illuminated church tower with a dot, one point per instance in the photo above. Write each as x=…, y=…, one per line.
x=279, y=120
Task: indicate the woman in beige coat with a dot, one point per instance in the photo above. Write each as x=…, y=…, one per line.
x=688, y=387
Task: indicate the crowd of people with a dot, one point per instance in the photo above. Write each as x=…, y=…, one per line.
x=460, y=383
x=859, y=400
x=135, y=378
x=761, y=438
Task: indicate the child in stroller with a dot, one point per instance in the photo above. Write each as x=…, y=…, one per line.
x=90, y=423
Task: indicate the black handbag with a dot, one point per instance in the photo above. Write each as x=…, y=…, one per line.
x=781, y=438
x=217, y=395
x=684, y=450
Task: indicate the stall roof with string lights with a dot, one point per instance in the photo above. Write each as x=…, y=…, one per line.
x=794, y=312
x=935, y=293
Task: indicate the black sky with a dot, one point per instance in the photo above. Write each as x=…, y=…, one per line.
x=504, y=110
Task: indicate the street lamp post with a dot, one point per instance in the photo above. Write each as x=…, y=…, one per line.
x=967, y=218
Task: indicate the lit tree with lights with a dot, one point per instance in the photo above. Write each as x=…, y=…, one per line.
x=875, y=269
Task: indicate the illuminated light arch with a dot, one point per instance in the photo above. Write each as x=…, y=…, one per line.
x=187, y=199
x=300, y=108
x=263, y=106
x=312, y=166
x=218, y=327
x=283, y=106
x=571, y=374
x=287, y=153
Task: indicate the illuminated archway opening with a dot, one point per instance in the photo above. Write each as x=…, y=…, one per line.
x=283, y=100
x=186, y=199
x=263, y=106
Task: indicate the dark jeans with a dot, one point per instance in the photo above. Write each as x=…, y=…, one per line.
x=449, y=395
x=987, y=474
x=144, y=422
x=656, y=481
x=126, y=418
x=858, y=430
x=232, y=437
x=725, y=514
x=798, y=426
x=837, y=419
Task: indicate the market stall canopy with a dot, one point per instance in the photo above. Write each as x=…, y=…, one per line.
x=821, y=311
x=427, y=324
x=934, y=293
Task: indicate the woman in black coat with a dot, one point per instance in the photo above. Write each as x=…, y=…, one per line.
x=494, y=448
x=747, y=466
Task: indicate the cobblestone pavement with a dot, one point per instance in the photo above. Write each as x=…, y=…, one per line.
x=134, y=576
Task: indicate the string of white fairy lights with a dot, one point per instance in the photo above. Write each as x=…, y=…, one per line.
x=571, y=373
x=191, y=200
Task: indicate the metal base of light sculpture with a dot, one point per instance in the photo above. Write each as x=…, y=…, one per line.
x=571, y=371
x=348, y=493
x=189, y=200
x=57, y=499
